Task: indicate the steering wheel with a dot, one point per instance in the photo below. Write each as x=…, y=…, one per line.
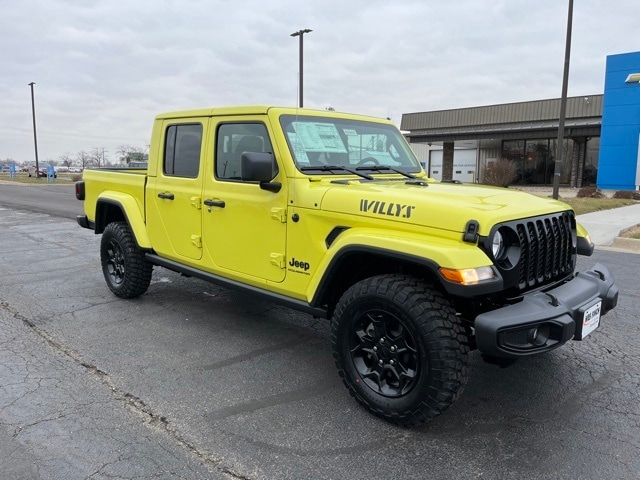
x=368, y=159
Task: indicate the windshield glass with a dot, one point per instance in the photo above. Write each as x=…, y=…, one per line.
x=321, y=141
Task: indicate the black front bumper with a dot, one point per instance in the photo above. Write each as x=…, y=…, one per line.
x=543, y=321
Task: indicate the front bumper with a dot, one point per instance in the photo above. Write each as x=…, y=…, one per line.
x=543, y=321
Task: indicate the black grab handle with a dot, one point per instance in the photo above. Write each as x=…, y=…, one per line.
x=214, y=203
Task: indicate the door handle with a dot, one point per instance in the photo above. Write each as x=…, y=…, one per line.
x=214, y=203
x=166, y=196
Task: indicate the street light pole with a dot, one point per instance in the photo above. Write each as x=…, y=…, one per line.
x=300, y=33
x=35, y=137
x=563, y=106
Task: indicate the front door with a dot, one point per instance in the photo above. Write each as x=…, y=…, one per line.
x=244, y=227
x=174, y=213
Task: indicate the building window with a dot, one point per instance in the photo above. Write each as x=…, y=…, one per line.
x=535, y=159
x=590, y=171
x=568, y=152
x=538, y=163
x=514, y=150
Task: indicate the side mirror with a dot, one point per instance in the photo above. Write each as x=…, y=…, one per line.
x=259, y=167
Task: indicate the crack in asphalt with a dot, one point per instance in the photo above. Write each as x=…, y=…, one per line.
x=130, y=401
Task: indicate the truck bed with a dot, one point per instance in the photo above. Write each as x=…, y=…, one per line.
x=127, y=184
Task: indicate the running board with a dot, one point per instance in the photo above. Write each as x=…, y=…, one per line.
x=241, y=287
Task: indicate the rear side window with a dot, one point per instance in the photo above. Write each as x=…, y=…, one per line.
x=183, y=144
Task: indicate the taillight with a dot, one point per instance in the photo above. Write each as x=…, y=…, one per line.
x=80, y=190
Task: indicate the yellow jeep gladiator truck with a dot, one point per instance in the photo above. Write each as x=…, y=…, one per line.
x=332, y=214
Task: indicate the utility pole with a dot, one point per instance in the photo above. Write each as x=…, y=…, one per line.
x=300, y=34
x=35, y=137
x=563, y=106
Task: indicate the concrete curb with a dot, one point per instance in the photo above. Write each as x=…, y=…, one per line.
x=627, y=244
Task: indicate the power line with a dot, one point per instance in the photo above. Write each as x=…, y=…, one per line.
x=41, y=133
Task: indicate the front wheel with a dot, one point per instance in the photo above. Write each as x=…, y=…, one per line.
x=127, y=273
x=399, y=348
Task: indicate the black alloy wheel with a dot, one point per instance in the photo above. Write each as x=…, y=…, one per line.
x=115, y=262
x=384, y=353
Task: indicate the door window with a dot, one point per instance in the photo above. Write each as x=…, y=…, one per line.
x=233, y=139
x=182, y=150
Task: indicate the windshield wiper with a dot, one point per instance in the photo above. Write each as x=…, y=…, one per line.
x=332, y=168
x=380, y=168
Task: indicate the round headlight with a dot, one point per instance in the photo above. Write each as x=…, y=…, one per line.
x=497, y=245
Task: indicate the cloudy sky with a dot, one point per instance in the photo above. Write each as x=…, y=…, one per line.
x=104, y=69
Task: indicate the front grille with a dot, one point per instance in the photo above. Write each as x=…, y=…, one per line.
x=547, y=249
x=539, y=251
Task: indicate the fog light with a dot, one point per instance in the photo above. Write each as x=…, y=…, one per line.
x=539, y=335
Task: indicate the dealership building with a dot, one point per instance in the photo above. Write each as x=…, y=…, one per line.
x=600, y=146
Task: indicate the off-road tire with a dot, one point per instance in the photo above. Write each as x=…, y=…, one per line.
x=407, y=314
x=125, y=270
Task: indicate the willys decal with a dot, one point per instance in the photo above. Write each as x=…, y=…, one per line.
x=384, y=208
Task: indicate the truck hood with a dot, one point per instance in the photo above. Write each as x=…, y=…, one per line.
x=445, y=206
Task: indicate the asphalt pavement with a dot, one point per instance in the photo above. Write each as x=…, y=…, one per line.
x=196, y=381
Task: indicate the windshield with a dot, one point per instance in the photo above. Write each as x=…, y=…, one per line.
x=367, y=146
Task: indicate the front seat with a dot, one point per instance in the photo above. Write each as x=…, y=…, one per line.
x=248, y=143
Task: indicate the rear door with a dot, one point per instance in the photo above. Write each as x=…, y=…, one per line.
x=174, y=195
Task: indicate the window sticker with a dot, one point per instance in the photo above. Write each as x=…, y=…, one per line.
x=298, y=149
x=349, y=131
x=319, y=137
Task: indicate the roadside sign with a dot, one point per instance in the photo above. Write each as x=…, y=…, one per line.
x=51, y=174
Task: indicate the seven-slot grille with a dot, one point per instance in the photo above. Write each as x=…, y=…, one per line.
x=546, y=246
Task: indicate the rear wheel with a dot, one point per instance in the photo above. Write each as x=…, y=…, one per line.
x=127, y=273
x=399, y=348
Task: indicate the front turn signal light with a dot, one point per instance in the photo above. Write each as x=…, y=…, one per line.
x=467, y=276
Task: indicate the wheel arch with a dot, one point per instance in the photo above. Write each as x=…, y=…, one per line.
x=357, y=262
x=125, y=209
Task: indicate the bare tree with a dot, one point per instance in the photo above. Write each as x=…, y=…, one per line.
x=84, y=159
x=124, y=152
x=66, y=159
x=99, y=157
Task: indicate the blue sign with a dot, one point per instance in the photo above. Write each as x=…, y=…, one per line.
x=619, y=163
x=12, y=170
x=51, y=174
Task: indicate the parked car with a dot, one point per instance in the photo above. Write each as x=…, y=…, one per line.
x=41, y=173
